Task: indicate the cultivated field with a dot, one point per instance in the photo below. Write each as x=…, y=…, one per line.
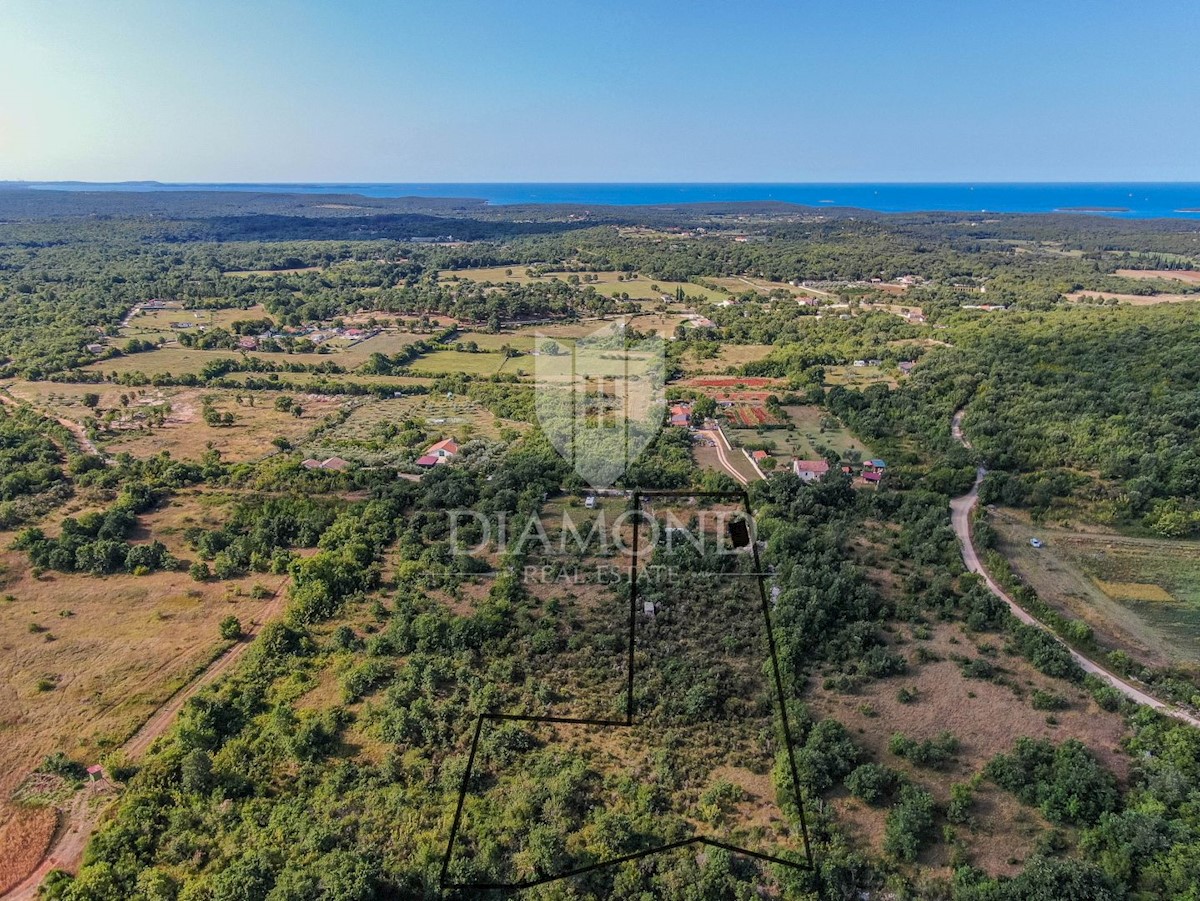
x=816, y=431
x=1140, y=595
x=614, y=284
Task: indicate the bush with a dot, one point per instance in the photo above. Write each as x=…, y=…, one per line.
x=1065, y=782
x=909, y=823
x=827, y=756
x=1048, y=700
x=935, y=752
x=873, y=783
x=231, y=628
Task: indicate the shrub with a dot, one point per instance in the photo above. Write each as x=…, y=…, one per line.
x=231, y=628
x=935, y=752
x=909, y=823
x=1048, y=700
x=1065, y=782
x=873, y=783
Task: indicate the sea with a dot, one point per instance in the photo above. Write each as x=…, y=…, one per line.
x=1136, y=200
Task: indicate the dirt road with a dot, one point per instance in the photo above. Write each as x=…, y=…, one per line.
x=76, y=430
x=723, y=450
x=77, y=823
x=960, y=519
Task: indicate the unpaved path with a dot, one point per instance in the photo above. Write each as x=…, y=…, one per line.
x=76, y=430
x=960, y=519
x=77, y=823
x=717, y=437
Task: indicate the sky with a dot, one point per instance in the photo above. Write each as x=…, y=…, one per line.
x=616, y=91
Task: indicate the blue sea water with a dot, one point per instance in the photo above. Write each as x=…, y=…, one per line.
x=1132, y=200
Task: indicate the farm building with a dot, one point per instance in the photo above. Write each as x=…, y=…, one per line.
x=810, y=470
x=681, y=414
x=439, y=453
x=760, y=455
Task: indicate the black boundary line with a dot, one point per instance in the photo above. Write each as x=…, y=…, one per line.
x=637, y=495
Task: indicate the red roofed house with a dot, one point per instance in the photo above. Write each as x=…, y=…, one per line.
x=760, y=455
x=872, y=477
x=681, y=414
x=810, y=470
x=439, y=453
x=334, y=463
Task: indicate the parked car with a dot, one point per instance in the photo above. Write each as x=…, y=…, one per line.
x=1035, y=542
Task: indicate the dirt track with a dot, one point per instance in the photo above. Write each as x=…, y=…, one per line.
x=79, y=821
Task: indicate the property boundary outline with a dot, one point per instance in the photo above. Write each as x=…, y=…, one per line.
x=629, y=720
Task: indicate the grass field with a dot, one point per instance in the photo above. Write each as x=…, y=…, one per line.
x=113, y=649
x=364, y=436
x=986, y=717
x=613, y=283
x=729, y=358
x=737, y=284
x=152, y=324
x=184, y=433
x=857, y=376
x=1142, y=595
x=442, y=362
x=815, y=433
x=1180, y=275
x=1137, y=300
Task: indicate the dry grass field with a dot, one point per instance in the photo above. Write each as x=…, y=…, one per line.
x=986, y=717
x=727, y=360
x=858, y=376
x=85, y=660
x=1137, y=300
x=614, y=284
x=363, y=437
x=184, y=433
x=1180, y=275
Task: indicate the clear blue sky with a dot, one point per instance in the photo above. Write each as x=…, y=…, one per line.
x=451, y=90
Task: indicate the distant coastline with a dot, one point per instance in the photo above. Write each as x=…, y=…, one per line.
x=1137, y=200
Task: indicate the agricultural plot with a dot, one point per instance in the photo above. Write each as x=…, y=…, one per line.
x=858, y=376
x=373, y=433
x=152, y=324
x=751, y=416
x=444, y=362
x=729, y=357
x=1139, y=594
x=613, y=284
x=816, y=432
